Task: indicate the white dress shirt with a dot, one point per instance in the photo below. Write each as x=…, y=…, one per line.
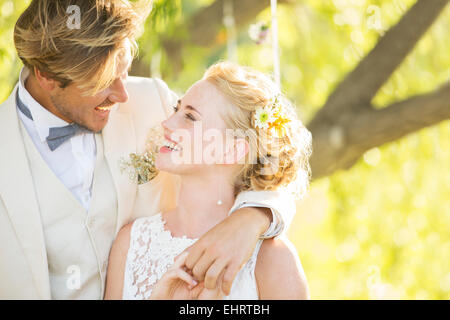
x=73, y=162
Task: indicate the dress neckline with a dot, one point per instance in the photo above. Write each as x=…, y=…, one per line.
x=167, y=231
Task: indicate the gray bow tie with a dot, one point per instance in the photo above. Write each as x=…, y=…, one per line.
x=58, y=135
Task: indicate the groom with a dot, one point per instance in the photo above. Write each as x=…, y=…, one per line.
x=72, y=117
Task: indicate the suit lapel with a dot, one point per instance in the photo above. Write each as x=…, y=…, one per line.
x=119, y=140
x=18, y=194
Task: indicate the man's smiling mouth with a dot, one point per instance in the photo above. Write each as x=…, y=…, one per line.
x=104, y=108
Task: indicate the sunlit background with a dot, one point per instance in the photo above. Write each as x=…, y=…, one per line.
x=379, y=230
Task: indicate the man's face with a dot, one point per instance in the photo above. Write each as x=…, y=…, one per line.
x=92, y=112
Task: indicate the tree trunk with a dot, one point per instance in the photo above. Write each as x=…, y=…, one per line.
x=347, y=125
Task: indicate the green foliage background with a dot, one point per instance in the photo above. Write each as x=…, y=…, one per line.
x=379, y=230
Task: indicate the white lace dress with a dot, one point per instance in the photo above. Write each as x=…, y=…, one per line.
x=153, y=250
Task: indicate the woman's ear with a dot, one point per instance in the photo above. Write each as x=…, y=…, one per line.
x=236, y=154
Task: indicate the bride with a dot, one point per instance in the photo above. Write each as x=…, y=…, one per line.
x=268, y=150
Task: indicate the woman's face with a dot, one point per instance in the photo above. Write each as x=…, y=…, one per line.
x=195, y=133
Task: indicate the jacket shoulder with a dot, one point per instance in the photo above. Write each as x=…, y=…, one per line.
x=149, y=91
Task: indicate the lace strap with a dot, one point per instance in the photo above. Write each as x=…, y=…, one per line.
x=144, y=230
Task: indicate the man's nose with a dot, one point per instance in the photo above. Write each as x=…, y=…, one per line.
x=119, y=92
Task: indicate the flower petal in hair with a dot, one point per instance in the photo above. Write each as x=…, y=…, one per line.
x=264, y=116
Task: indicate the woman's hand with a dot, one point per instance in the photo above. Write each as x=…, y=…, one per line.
x=176, y=284
x=209, y=294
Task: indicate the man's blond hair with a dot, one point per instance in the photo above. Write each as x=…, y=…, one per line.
x=87, y=54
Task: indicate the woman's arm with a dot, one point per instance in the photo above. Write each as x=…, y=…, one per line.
x=279, y=273
x=116, y=265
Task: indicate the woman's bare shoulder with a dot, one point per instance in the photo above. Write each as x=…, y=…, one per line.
x=122, y=240
x=279, y=272
x=116, y=263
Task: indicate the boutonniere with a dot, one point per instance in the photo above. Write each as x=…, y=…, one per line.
x=141, y=168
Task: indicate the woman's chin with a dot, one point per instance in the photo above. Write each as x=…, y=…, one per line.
x=166, y=164
x=163, y=162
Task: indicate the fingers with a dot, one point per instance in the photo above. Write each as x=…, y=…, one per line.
x=228, y=278
x=176, y=271
x=186, y=277
x=194, y=254
x=197, y=290
x=202, y=266
x=175, y=274
x=208, y=294
x=180, y=260
x=214, y=272
x=220, y=280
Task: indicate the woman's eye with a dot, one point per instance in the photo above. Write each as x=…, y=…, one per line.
x=190, y=117
x=175, y=108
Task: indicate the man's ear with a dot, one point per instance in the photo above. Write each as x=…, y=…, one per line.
x=237, y=153
x=44, y=81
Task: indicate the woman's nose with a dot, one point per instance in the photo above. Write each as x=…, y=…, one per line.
x=167, y=130
x=170, y=123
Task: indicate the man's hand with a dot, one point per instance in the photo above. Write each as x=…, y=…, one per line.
x=224, y=249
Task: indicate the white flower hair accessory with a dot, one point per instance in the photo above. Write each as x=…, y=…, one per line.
x=263, y=117
x=272, y=118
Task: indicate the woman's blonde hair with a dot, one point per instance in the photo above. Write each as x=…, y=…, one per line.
x=274, y=161
x=86, y=55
